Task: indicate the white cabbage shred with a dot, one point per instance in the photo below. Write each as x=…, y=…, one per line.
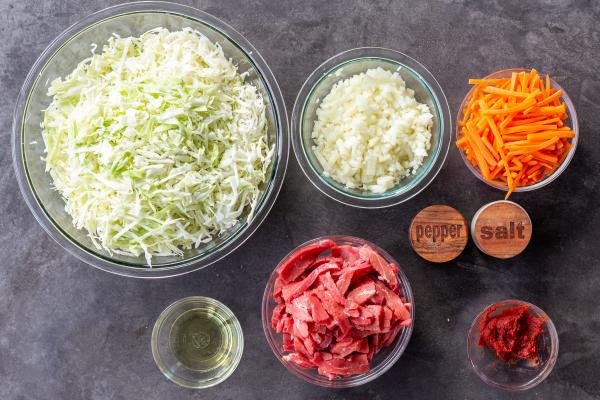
x=371, y=132
x=157, y=144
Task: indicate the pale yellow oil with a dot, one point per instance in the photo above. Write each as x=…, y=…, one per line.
x=202, y=340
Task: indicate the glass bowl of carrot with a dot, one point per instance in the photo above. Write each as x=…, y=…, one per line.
x=516, y=130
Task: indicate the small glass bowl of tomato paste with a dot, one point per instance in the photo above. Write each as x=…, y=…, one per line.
x=382, y=360
x=524, y=346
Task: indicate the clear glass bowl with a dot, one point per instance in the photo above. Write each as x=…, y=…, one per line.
x=342, y=66
x=225, y=358
x=61, y=57
x=549, y=178
x=382, y=361
x=517, y=376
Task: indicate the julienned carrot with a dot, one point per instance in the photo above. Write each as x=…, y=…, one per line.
x=513, y=129
x=550, y=134
x=529, y=128
x=504, y=92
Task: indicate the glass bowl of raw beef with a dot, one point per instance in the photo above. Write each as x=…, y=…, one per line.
x=338, y=312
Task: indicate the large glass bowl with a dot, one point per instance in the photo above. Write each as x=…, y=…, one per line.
x=382, y=361
x=342, y=66
x=61, y=57
x=571, y=121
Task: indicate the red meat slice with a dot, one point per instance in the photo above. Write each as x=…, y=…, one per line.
x=375, y=311
x=299, y=308
x=320, y=356
x=375, y=342
x=389, y=337
x=288, y=344
x=362, y=292
x=343, y=282
x=393, y=301
x=370, y=329
x=322, y=341
x=388, y=272
x=299, y=360
x=327, y=341
x=298, y=262
x=366, y=312
x=363, y=317
x=277, y=286
x=386, y=323
x=339, y=366
x=278, y=313
x=351, y=309
x=359, y=334
x=310, y=345
x=322, y=260
x=347, y=252
x=300, y=328
x=292, y=290
x=299, y=347
x=362, y=321
x=331, y=306
x=285, y=324
x=330, y=285
x=316, y=309
x=320, y=328
x=378, y=298
x=288, y=324
x=349, y=346
x=381, y=320
x=335, y=310
x=350, y=274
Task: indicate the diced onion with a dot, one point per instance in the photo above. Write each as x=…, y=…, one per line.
x=371, y=132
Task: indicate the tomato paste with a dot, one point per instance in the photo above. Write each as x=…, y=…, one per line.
x=513, y=333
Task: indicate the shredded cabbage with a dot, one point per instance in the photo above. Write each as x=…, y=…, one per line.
x=157, y=144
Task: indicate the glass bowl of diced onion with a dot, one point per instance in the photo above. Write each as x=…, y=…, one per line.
x=348, y=64
x=564, y=163
x=60, y=58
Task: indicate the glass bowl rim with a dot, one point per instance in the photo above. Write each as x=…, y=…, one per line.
x=396, y=351
x=561, y=168
x=543, y=373
x=401, y=193
x=175, y=307
x=237, y=237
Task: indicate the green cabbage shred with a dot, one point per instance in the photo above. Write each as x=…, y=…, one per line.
x=157, y=144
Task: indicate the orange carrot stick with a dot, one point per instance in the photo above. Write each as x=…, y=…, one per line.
x=528, y=102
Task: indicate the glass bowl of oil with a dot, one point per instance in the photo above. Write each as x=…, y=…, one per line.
x=197, y=342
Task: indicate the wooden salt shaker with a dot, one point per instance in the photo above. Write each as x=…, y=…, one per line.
x=501, y=229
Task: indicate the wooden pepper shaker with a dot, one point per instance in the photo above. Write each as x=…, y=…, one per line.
x=439, y=233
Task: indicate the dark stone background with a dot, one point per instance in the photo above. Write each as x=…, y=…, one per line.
x=68, y=331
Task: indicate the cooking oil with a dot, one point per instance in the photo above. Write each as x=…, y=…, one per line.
x=203, y=340
x=197, y=342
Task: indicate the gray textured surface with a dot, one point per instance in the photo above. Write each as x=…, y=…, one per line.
x=68, y=331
